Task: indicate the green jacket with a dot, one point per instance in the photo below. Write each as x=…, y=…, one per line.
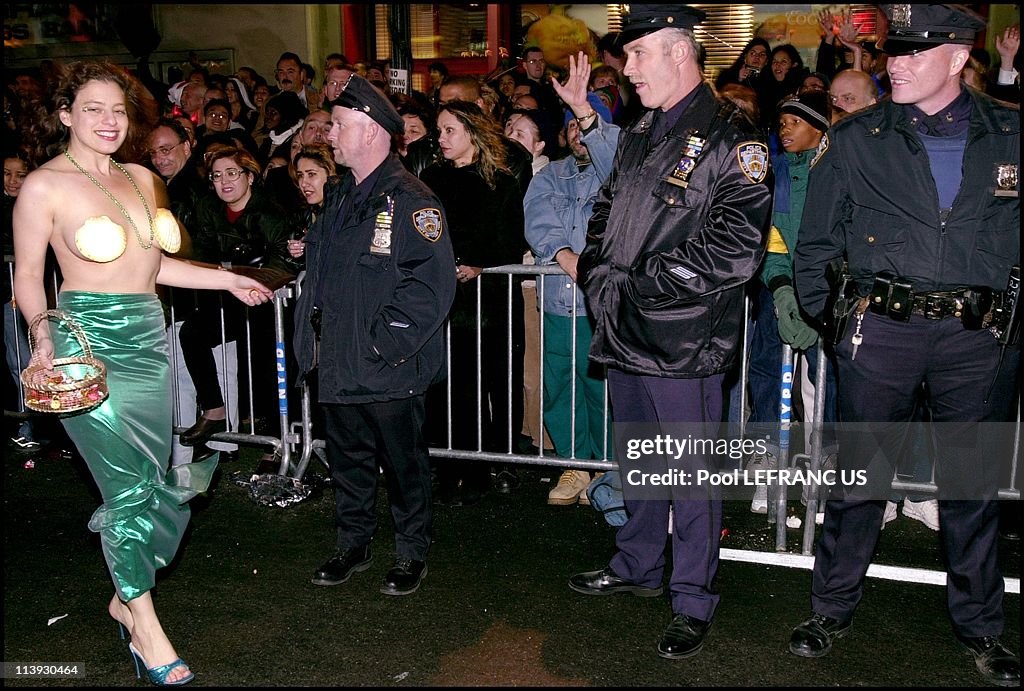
x=791, y=172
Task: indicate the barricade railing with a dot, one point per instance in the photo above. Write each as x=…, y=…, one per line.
x=279, y=445
x=301, y=433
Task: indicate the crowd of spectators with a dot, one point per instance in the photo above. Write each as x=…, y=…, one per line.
x=246, y=159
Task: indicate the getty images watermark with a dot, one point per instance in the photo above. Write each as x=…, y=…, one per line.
x=691, y=460
x=704, y=456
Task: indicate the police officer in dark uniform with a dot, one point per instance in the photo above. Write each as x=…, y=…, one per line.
x=380, y=279
x=920, y=195
x=676, y=231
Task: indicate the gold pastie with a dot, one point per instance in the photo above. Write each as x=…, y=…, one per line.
x=100, y=239
x=168, y=235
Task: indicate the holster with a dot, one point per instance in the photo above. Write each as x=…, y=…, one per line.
x=842, y=300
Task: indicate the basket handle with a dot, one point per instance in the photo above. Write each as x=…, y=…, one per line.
x=61, y=316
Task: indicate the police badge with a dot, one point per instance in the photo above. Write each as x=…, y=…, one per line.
x=692, y=150
x=901, y=16
x=1006, y=179
x=428, y=223
x=381, y=242
x=753, y=160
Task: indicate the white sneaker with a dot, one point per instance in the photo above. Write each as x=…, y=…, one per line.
x=570, y=486
x=890, y=513
x=759, y=504
x=24, y=443
x=926, y=511
x=761, y=461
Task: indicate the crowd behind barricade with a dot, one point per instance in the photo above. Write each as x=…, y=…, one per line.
x=246, y=160
x=515, y=163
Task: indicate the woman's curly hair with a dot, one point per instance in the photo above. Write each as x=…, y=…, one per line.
x=49, y=137
x=485, y=135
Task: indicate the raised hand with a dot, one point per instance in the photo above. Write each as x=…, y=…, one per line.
x=827, y=23
x=1007, y=45
x=574, y=92
x=847, y=30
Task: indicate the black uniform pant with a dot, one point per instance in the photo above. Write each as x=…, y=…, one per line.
x=696, y=512
x=879, y=386
x=390, y=433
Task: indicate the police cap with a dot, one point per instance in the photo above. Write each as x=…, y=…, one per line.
x=359, y=95
x=646, y=19
x=915, y=28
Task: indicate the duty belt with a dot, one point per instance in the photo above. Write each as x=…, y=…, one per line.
x=939, y=304
x=894, y=296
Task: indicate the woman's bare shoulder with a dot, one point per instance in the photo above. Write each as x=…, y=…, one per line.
x=46, y=180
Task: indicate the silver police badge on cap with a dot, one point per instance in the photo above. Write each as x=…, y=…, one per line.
x=753, y=160
x=1006, y=179
x=901, y=16
x=428, y=223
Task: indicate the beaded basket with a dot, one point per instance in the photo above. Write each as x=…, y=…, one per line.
x=74, y=384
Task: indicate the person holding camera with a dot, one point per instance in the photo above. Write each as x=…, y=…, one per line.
x=746, y=68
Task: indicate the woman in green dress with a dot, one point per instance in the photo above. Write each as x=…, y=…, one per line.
x=108, y=227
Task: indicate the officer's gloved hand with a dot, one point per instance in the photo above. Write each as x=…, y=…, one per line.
x=792, y=329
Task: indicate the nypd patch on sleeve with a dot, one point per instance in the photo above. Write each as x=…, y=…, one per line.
x=753, y=160
x=428, y=223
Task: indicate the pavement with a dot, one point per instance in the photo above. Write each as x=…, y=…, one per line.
x=495, y=609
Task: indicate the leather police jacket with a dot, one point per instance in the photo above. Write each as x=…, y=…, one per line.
x=381, y=312
x=872, y=198
x=664, y=266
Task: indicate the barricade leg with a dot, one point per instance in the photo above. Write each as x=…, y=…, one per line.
x=185, y=409
x=777, y=491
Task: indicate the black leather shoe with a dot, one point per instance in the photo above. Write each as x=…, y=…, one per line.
x=813, y=638
x=683, y=638
x=994, y=660
x=342, y=565
x=605, y=582
x=404, y=577
x=506, y=480
x=201, y=432
x=203, y=452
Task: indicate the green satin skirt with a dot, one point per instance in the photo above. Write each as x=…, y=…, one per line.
x=126, y=441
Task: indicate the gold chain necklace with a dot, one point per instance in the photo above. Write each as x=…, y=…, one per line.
x=149, y=216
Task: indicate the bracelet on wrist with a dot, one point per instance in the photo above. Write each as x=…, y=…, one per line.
x=588, y=116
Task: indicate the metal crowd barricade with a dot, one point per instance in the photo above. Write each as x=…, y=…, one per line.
x=280, y=446
x=302, y=433
x=815, y=458
x=312, y=446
